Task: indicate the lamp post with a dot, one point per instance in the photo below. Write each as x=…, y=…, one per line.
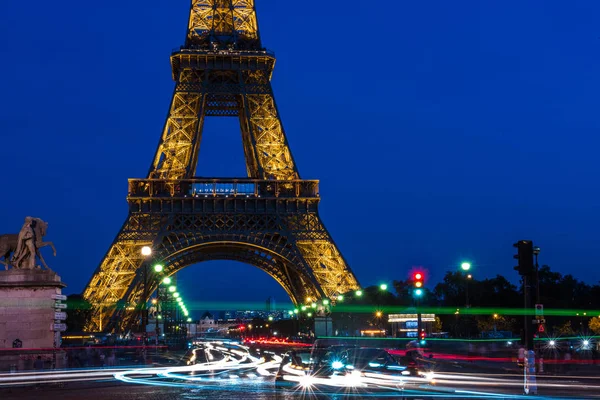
x=466, y=267
x=146, y=253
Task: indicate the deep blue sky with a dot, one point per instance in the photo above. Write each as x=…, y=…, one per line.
x=439, y=130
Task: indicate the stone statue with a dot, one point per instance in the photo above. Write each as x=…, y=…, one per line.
x=25, y=245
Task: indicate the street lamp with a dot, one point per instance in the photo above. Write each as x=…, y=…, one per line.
x=146, y=253
x=466, y=266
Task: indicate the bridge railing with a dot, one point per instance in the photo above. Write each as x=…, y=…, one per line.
x=187, y=188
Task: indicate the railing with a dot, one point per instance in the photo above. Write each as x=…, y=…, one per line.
x=202, y=188
x=229, y=52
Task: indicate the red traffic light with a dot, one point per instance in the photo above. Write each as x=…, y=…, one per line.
x=418, y=276
x=422, y=335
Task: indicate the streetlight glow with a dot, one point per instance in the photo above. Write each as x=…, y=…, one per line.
x=465, y=266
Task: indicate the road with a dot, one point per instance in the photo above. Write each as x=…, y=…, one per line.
x=225, y=371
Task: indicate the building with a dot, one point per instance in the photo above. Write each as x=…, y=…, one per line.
x=406, y=325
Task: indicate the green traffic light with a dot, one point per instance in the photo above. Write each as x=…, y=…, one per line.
x=418, y=292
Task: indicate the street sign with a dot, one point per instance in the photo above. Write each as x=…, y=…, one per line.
x=60, y=306
x=59, y=297
x=541, y=329
x=60, y=315
x=539, y=310
x=58, y=327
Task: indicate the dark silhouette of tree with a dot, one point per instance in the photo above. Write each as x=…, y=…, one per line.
x=78, y=312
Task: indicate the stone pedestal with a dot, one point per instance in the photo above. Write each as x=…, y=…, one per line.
x=27, y=314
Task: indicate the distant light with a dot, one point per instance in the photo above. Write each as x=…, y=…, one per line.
x=314, y=305
x=552, y=343
x=378, y=314
x=146, y=251
x=359, y=293
x=469, y=276
x=158, y=268
x=295, y=311
x=465, y=266
x=172, y=289
x=270, y=318
x=176, y=294
x=308, y=299
x=586, y=343
x=337, y=365
x=303, y=308
x=383, y=286
x=309, y=314
x=340, y=298
x=189, y=320
x=167, y=280
x=509, y=343
x=325, y=301
x=159, y=317
x=186, y=313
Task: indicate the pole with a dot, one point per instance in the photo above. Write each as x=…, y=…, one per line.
x=467, y=290
x=419, y=322
x=145, y=304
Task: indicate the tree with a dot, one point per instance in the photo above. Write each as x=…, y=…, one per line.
x=594, y=325
x=79, y=311
x=566, y=329
x=437, y=325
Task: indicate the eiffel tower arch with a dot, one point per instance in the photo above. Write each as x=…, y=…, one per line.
x=269, y=220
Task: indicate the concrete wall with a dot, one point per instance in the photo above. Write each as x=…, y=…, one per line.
x=27, y=312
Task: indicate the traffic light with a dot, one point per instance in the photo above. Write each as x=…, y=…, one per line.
x=525, y=257
x=418, y=278
x=422, y=335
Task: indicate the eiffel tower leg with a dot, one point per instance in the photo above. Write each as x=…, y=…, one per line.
x=115, y=274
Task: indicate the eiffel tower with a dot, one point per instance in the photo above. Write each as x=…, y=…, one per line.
x=269, y=220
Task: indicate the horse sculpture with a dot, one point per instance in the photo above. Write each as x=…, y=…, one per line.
x=9, y=242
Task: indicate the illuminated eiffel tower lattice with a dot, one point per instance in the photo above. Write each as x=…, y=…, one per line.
x=269, y=219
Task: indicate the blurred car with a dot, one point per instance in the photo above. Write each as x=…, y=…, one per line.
x=376, y=360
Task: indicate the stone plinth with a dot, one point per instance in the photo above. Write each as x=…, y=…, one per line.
x=27, y=313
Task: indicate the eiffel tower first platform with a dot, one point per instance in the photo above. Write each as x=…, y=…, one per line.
x=269, y=220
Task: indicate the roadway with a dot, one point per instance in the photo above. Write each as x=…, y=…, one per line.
x=219, y=370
